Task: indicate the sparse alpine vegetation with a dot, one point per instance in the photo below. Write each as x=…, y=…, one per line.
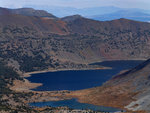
x=37, y=43
x=33, y=40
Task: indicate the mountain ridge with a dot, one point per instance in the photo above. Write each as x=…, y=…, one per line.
x=91, y=12
x=80, y=40
x=67, y=11
x=26, y=12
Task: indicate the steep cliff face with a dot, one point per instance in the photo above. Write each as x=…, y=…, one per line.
x=70, y=41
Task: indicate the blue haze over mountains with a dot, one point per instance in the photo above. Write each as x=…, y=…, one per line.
x=99, y=13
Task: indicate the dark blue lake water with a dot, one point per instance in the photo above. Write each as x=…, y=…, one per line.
x=73, y=104
x=76, y=80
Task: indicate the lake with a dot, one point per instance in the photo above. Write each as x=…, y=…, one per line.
x=74, y=104
x=76, y=80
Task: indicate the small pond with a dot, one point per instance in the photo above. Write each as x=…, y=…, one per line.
x=74, y=104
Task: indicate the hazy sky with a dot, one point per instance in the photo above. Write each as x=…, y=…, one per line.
x=143, y=4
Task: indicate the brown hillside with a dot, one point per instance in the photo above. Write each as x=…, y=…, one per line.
x=76, y=42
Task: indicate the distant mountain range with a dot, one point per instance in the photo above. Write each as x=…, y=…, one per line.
x=96, y=13
x=67, y=11
x=100, y=13
x=128, y=14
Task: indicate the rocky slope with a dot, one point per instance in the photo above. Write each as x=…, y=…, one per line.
x=129, y=90
x=32, y=43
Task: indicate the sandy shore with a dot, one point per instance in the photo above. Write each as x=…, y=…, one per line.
x=24, y=86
